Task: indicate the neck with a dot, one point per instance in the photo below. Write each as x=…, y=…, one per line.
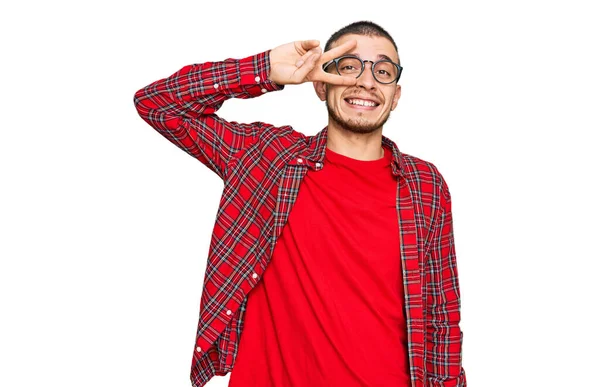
x=359, y=146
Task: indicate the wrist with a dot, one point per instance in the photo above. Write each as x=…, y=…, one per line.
x=271, y=59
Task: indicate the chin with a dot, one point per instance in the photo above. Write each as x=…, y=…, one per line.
x=356, y=125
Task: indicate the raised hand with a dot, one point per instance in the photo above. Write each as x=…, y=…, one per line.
x=302, y=61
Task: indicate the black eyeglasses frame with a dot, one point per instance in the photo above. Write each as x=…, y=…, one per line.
x=336, y=61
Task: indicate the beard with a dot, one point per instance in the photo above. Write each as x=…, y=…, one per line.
x=356, y=125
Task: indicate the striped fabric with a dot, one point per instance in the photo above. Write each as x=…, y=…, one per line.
x=262, y=167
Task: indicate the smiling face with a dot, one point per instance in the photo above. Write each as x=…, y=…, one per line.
x=366, y=106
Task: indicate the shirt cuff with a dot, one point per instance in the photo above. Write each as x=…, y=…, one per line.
x=254, y=74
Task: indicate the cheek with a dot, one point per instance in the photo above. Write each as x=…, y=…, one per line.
x=334, y=95
x=389, y=100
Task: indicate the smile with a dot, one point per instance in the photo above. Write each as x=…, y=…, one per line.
x=357, y=102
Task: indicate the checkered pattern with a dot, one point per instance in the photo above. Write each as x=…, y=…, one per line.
x=262, y=167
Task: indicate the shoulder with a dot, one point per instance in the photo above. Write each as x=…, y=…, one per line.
x=286, y=138
x=425, y=176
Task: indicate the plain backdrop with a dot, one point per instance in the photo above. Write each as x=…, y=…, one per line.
x=105, y=225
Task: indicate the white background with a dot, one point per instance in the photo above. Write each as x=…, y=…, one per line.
x=105, y=225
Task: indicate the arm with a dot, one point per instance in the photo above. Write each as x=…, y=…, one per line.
x=443, y=335
x=182, y=106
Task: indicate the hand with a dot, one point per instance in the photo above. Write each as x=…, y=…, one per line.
x=302, y=61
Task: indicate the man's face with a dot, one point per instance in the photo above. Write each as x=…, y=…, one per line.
x=351, y=107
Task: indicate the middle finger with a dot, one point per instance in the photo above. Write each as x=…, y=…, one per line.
x=338, y=51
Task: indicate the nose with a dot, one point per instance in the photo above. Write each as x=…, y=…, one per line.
x=366, y=79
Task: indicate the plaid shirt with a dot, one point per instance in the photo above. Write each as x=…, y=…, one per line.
x=262, y=167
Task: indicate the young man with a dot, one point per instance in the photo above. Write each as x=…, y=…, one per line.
x=332, y=259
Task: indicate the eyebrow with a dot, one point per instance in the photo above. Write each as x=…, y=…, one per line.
x=380, y=56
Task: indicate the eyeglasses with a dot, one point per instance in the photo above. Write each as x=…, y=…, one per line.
x=384, y=71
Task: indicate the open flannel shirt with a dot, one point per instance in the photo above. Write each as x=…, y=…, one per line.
x=262, y=167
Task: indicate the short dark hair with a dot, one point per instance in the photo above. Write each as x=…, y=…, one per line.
x=364, y=27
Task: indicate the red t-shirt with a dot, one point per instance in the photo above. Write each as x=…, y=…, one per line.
x=329, y=309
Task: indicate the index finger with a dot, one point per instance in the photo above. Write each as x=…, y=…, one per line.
x=335, y=79
x=338, y=51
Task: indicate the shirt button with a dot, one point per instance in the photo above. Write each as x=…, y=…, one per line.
x=229, y=313
x=198, y=349
x=318, y=165
x=255, y=276
x=300, y=160
x=257, y=79
x=264, y=90
x=216, y=85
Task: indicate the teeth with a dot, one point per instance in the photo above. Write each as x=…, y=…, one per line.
x=361, y=102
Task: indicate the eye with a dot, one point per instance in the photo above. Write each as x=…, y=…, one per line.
x=385, y=70
x=349, y=65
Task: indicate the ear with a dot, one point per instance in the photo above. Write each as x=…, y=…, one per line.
x=396, y=97
x=320, y=89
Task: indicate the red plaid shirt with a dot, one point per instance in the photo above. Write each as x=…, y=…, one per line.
x=262, y=167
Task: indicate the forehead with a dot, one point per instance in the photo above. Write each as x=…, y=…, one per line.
x=369, y=47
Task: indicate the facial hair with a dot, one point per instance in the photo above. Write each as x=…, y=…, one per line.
x=360, y=126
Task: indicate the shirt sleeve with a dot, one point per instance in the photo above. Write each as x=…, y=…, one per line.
x=443, y=361
x=182, y=107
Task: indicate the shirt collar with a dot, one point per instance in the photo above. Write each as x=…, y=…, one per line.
x=315, y=151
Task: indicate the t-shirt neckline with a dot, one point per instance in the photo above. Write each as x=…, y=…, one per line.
x=337, y=158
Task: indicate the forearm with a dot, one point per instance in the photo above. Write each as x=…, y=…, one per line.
x=201, y=89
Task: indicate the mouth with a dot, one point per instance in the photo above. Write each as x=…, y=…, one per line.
x=361, y=103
